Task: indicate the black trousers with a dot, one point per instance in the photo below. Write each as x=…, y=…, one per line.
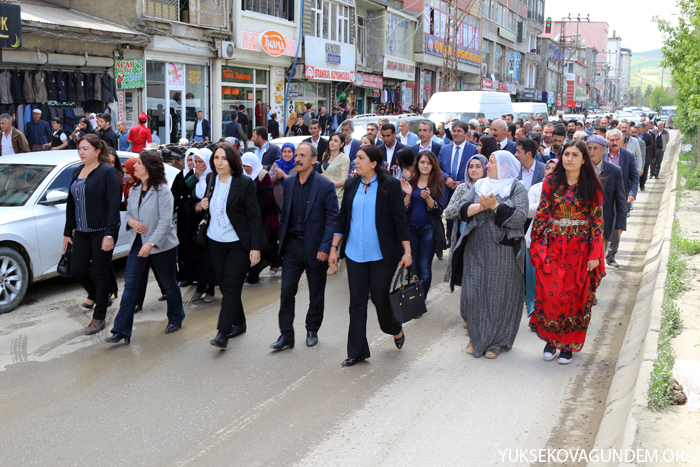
x=91, y=267
x=375, y=277
x=231, y=262
x=657, y=162
x=293, y=265
x=645, y=174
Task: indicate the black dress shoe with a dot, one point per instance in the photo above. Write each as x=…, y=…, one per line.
x=351, y=361
x=399, y=342
x=88, y=305
x=220, y=341
x=237, y=330
x=116, y=337
x=311, y=338
x=284, y=342
x=173, y=327
x=162, y=298
x=185, y=283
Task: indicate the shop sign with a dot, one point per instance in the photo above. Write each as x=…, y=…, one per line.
x=399, y=69
x=194, y=76
x=175, y=74
x=488, y=85
x=510, y=88
x=129, y=74
x=506, y=34
x=501, y=87
x=272, y=43
x=10, y=26
x=269, y=42
x=369, y=81
x=435, y=46
x=532, y=94
x=236, y=75
x=322, y=53
x=326, y=74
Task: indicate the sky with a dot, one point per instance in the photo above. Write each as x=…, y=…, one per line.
x=631, y=20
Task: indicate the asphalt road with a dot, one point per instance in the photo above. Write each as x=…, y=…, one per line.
x=173, y=400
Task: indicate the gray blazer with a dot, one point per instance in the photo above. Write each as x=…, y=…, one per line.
x=156, y=213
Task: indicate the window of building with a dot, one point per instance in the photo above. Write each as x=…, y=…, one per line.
x=213, y=13
x=317, y=18
x=486, y=56
x=330, y=21
x=398, y=37
x=498, y=64
x=343, y=24
x=278, y=8
x=361, y=39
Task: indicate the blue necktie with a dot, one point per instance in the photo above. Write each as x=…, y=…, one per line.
x=455, y=164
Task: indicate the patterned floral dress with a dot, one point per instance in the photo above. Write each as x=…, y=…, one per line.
x=566, y=234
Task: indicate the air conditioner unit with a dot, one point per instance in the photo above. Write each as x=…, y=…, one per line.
x=299, y=72
x=227, y=49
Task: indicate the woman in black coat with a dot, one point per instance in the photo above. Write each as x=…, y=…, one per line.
x=92, y=225
x=234, y=236
x=374, y=232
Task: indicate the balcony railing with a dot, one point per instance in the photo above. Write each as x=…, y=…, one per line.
x=534, y=16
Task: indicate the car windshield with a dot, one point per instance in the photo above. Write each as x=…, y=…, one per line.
x=442, y=117
x=19, y=181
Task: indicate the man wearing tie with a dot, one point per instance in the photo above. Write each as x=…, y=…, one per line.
x=309, y=214
x=453, y=161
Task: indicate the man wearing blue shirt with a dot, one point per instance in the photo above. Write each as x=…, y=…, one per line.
x=38, y=133
x=123, y=135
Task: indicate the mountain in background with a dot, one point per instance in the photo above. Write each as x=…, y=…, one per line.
x=646, y=68
x=649, y=59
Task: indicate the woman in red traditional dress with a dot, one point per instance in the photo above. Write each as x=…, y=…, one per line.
x=567, y=249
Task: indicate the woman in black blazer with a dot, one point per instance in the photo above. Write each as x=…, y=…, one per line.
x=234, y=236
x=92, y=225
x=373, y=224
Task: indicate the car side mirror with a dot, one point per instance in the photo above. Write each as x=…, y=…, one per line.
x=55, y=197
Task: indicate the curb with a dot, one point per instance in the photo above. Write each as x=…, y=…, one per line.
x=627, y=395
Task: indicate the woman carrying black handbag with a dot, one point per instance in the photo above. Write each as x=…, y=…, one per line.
x=372, y=224
x=234, y=236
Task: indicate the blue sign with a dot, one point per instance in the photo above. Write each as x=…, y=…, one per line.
x=517, y=67
x=333, y=58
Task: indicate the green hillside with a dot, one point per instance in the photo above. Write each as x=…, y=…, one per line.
x=648, y=59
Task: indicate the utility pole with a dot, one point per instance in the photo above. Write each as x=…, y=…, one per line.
x=456, y=19
x=562, y=44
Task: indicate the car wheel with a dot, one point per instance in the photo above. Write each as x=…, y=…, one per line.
x=14, y=279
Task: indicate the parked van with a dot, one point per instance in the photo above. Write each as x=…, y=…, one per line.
x=465, y=105
x=525, y=110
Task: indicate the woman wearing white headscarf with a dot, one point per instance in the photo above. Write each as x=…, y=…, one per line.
x=194, y=261
x=491, y=245
x=182, y=200
x=269, y=209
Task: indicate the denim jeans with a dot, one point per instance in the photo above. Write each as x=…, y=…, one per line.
x=422, y=250
x=165, y=263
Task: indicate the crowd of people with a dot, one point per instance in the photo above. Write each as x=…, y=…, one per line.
x=538, y=206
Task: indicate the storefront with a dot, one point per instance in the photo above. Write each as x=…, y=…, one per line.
x=396, y=95
x=368, y=89
x=177, y=87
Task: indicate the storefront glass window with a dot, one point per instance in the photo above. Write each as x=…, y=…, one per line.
x=260, y=77
x=243, y=86
x=486, y=51
x=197, y=92
x=155, y=92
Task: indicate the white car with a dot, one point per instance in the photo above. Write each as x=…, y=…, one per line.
x=295, y=140
x=33, y=195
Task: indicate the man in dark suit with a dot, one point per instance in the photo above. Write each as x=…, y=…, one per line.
x=309, y=214
x=235, y=129
x=391, y=146
x=650, y=153
x=624, y=159
x=319, y=143
x=425, y=134
x=243, y=119
x=273, y=126
x=105, y=132
x=531, y=170
x=453, y=161
x=351, y=144
x=614, y=194
x=267, y=152
x=499, y=129
x=202, y=128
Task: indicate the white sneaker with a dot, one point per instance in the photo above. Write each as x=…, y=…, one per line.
x=565, y=358
x=549, y=352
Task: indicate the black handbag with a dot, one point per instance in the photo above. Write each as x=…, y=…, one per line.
x=63, y=268
x=407, y=301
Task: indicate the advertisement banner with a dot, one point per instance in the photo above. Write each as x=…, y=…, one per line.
x=488, y=85
x=251, y=40
x=399, y=69
x=11, y=30
x=369, y=81
x=435, y=46
x=129, y=74
x=175, y=74
x=277, y=93
x=326, y=74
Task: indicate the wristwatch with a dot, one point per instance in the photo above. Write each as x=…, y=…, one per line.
x=109, y=236
x=153, y=245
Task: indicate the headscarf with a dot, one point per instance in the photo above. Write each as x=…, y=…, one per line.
x=284, y=165
x=251, y=160
x=188, y=153
x=201, y=188
x=508, y=170
x=483, y=161
x=128, y=165
x=93, y=120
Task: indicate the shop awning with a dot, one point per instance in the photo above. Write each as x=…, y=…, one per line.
x=59, y=18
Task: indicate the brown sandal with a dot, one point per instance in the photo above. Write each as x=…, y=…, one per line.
x=494, y=353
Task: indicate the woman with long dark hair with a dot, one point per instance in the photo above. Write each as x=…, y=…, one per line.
x=374, y=232
x=567, y=251
x=149, y=213
x=425, y=200
x=235, y=236
x=92, y=225
x=489, y=257
x=487, y=146
x=335, y=165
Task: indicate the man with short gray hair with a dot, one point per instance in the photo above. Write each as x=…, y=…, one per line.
x=13, y=141
x=351, y=144
x=499, y=129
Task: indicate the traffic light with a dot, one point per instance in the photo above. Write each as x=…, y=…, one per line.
x=548, y=26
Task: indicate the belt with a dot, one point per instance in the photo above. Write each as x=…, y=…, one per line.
x=296, y=237
x=566, y=222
